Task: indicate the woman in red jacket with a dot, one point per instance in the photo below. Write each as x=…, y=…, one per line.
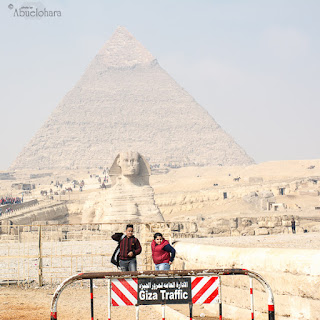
x=162, y=252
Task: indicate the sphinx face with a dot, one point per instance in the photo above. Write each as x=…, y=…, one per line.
x=129, y=163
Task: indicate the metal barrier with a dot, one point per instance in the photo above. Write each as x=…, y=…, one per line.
x=171, y=274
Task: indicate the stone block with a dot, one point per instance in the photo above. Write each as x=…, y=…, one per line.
x=248, y=232
x=245, y=222
x=235, y=232
x=191, y=227
x=286, y=223
x=175, y=227
x=233, y=223
x=14, y=231
x=261, y=231
x=315, y=228
x=262, y=224
x=205, y=230
x=276, y=230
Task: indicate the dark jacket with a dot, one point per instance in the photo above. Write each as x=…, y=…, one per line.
x=127, y=245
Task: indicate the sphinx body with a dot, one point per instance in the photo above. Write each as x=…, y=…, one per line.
x=130, y=198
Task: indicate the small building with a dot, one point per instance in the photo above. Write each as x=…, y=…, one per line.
x=23, y=186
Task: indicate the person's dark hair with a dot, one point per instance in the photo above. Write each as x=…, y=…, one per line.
x=129, y=226
x=157, y=234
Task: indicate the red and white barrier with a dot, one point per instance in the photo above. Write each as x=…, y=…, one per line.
x=124, y=292
x=205, y=290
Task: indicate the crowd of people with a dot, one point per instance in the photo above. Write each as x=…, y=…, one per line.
x=6, y=211
x=10, y=200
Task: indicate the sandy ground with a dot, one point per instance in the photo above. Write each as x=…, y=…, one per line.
x=195, y=178
x=19, y=303
x=74, y=304
x=182, y=179
x=294, y=241
x=188, y=180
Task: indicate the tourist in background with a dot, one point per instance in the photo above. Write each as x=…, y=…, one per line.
x=293, y=225
x=129, y=248
x=162, y=252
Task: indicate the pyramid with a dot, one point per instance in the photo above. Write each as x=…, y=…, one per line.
x=126, y=101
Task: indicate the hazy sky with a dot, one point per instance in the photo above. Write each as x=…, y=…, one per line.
x=254, y=65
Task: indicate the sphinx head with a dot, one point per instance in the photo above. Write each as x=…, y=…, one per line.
x=130, y=167
x=129, y=162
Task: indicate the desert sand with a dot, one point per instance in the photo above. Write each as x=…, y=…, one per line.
x=182, y=194
x=34, y=304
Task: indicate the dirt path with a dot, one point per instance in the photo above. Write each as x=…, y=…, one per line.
x=74, y=304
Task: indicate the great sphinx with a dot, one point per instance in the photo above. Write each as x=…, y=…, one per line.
x=130, y=198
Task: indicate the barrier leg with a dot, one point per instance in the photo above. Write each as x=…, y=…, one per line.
x=190, y=310
x=163, y=312
x=137, y=312
x=271, y=311
x=251, y=298
x=220, y=299
x=109, y=298
x=91, y=297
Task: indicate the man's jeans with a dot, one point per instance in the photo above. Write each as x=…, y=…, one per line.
x=128, y=265
x=162, y=266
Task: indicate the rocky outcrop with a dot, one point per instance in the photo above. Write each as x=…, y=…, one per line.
x=293, y=275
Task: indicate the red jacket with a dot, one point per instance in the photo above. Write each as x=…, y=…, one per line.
x=158, y=254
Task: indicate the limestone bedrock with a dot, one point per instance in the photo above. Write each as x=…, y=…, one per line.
x=130, y=198
x=293, y=275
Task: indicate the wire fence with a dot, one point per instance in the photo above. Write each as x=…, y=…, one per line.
x=47, y=254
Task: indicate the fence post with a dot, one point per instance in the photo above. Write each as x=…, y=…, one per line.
x=271, y=312
x=251, y=298
x=109, y=298
x=190, y=310
x=40, y=257
x=91, y=297
x=220, y=300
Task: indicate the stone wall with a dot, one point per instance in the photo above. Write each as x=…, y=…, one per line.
x=19, y=206
x=57, y=211
x=293, y=274
x=246, y=226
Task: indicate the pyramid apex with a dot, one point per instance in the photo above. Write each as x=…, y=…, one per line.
x=122, y=29
x=124, y=50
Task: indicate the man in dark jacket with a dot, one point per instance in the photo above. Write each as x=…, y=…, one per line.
x=129, y=248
